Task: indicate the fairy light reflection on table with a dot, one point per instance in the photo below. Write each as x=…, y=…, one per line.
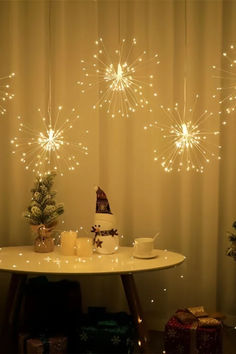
x=121, y=79
x=122, y=261
x=187, y=145
x=49, y=148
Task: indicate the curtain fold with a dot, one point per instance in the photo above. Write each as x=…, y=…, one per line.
x=191, y=211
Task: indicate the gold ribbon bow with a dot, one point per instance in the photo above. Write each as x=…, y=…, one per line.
x=198, y=317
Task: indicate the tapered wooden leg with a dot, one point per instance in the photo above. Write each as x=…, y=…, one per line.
x=12, y=308
x=135, y=310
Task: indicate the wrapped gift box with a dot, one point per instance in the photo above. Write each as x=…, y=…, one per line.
x=191, y=333
x=42, y=344
x=102, y=333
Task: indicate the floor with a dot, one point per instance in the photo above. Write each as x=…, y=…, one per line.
x=156, y=345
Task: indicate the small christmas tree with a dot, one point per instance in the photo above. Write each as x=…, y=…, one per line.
x=43, y=209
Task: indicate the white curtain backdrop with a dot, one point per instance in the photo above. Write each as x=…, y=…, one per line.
x=191, y=211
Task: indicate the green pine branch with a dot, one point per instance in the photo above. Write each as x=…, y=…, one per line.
x=43, y=208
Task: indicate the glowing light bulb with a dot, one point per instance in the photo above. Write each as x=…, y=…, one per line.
x=52, y=140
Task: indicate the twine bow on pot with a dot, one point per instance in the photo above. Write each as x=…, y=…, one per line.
x=44, y=242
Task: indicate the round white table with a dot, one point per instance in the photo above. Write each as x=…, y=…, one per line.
x=21, y=261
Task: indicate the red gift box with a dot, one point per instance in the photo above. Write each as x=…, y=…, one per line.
x=192, y=336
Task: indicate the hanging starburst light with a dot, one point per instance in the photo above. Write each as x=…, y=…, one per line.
x=49, y=147
x=120, y=77
x=4, y=92
x=187, y=144
x=228, y=79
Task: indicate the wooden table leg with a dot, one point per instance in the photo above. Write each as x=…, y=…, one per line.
x=135, y=309
x=12, y=308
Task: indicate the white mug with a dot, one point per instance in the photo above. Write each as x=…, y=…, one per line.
x=143, y=247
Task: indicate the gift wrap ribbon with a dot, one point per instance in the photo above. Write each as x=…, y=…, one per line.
x=46, y=345
x=38, y=342
x=44, y=342
x=196, y=317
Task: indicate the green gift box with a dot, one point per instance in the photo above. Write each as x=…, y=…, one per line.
x=108, y=333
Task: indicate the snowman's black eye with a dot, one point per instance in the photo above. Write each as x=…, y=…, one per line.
x=99, y=225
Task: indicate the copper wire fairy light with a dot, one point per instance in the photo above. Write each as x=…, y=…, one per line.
x=49, y=146
x=5, y=93
x=121, y=81
x=227, y=90
x=119, y=75
x=187, y=144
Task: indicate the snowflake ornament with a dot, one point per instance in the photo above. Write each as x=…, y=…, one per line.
x=171, y=333
x=180, y=349
x=84, y=337
x=115, y=340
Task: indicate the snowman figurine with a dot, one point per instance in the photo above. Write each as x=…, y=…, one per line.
x=106, y=240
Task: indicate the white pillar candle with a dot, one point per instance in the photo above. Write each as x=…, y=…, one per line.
x=84, y=246
x=68, y=239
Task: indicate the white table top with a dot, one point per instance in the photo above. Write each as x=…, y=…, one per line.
x=23, y=259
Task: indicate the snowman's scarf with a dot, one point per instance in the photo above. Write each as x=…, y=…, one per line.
x=98, y=232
